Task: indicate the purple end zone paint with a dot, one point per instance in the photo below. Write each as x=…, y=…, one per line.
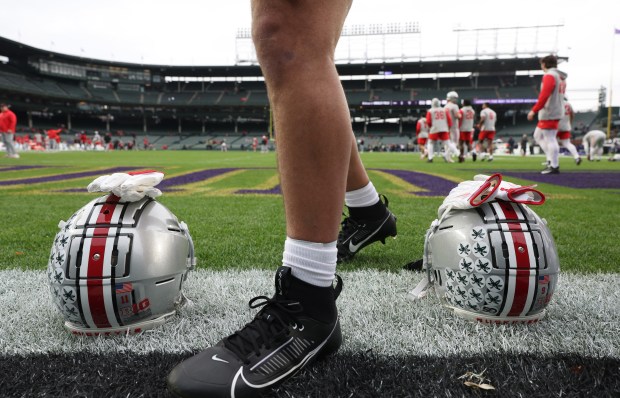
x=579, y=180
x=177, y=180
x=434, y=186
x=273, y=191
x=191, y=178
x=17, y=168
x=65, y=176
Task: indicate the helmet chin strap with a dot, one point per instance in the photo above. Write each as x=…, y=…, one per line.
x=422, y=288
x=191, y=258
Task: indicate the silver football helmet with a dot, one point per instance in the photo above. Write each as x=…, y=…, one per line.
x=496, y=263
x=118, y=267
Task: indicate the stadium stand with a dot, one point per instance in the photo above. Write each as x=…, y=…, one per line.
x=186, y=107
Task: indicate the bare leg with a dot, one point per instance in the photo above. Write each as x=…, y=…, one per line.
x=295, y=43
x=357, y=177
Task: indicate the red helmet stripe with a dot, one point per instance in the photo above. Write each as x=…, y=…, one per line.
x=96, y=259
x=96, y=262
x=521, y=282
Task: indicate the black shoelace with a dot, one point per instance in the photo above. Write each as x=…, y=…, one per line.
x=349, y=225
x=269, y=326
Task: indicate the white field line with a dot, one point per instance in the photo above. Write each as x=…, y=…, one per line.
x=583, y=318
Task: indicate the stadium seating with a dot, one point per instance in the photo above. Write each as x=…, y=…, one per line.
x=187, y=114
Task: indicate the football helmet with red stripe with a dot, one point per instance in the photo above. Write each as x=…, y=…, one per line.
x=495, y=263
x=118, y=267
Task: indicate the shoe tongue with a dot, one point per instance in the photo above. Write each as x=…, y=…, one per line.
x=283, y=281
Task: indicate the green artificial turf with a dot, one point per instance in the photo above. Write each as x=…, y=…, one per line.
x=232, y=230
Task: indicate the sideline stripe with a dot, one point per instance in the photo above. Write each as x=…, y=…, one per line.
x=374, y=309
x=365, y=374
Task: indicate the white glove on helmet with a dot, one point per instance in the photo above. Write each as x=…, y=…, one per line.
x=483, y=188
x=130, y=187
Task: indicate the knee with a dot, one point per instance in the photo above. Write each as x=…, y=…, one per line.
x=285, y=43
x=274, y=42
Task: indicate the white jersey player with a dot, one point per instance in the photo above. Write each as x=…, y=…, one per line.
x=421, y=131
x=453, y=109
x=564, y=129
x=593, y=143
x=466, y=133
x=439, y=122
x=550, y=108
x=488, y=117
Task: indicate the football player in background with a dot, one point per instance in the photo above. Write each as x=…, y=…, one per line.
x=593, y=143
x=319, y=168
x=564, y=129
x=439, y=122
x=421, y=130
x=550, y=109
x=466, y=134
x=452, y=101
x=488, y=117
x=8, y=122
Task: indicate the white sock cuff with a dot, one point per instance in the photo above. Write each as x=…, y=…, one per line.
x=312, y=262
x=363, y=197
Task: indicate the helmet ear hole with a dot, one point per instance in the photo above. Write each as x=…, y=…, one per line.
x=437, y=277
x=505, y=252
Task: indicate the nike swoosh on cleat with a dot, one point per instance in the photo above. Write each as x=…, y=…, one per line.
x=241, y=377
x=354, y=248
x=216, y=358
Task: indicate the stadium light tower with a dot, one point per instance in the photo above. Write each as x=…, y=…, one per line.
x=509, y=41
x=392, y=42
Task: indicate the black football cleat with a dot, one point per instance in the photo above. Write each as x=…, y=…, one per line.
x=280, y=341
x=551, y=170
x=357, y=233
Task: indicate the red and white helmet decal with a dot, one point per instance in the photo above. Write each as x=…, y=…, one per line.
x=102, y=256
x=118, y=265
x=521, y=265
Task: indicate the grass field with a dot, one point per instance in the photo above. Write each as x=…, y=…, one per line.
x=393, y=348
x=233, y=230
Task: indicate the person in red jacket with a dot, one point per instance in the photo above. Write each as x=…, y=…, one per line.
x=8, y=121
x=421, y=131
x=53, y=136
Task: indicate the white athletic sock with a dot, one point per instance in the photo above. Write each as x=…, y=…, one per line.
x=363, y=197
x=313, y=263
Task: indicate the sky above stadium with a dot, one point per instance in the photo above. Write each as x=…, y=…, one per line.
x=195, y=32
